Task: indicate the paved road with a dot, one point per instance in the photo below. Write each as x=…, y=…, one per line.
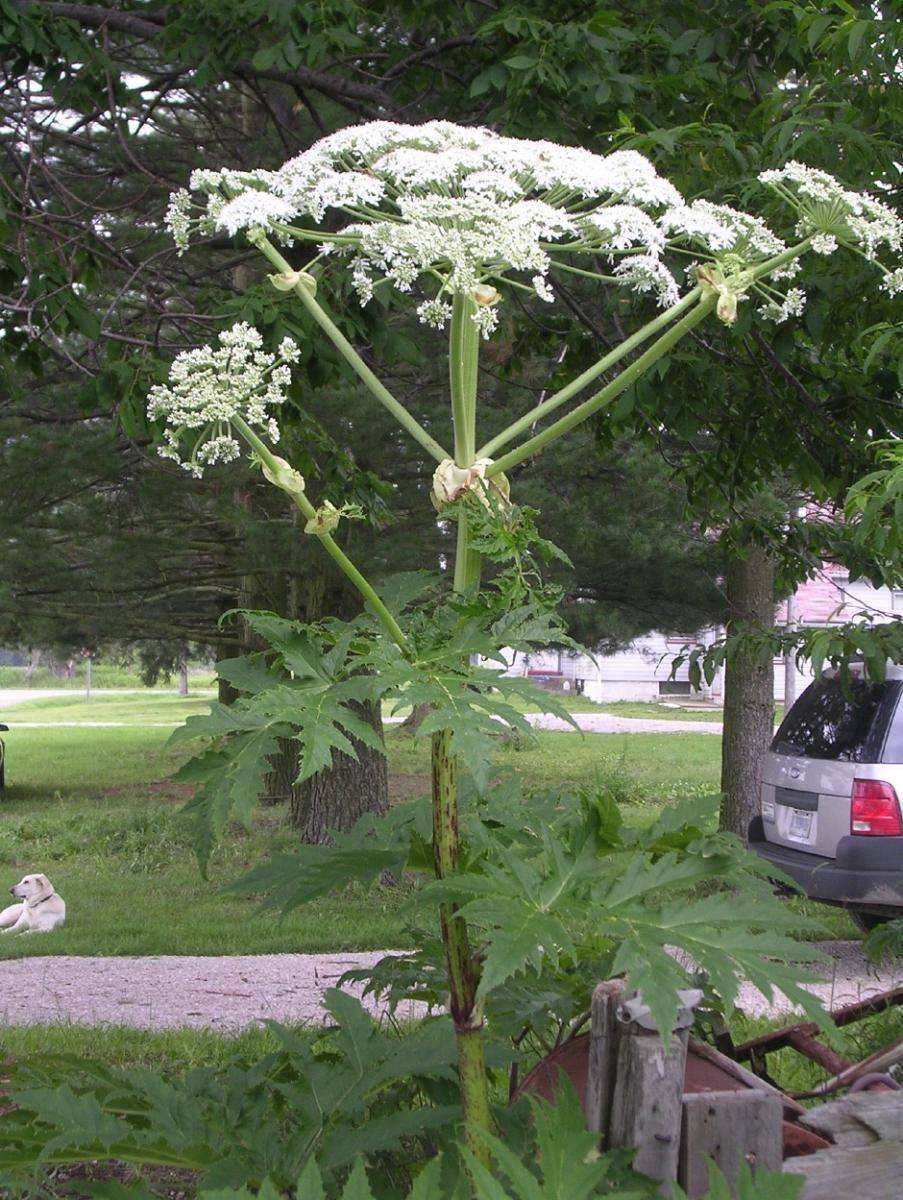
x=607, y=723
x=11, y=697
x=228, y=994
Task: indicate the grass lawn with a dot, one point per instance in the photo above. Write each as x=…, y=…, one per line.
x=174, y=1051
x=93, y=808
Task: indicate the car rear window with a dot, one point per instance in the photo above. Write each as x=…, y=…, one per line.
x=843, y=724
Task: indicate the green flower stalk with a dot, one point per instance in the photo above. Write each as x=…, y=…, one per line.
x=464, y=217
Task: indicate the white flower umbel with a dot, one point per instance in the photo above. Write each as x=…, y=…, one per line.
x=451, y=208
x=892, y=283
x=210, y=386
x=826, y=207
x=442, y=208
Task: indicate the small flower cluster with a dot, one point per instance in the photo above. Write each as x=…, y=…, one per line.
x=828, y=209
x=830, y=216
x=792, y=305
x=210, y=386
x=252, y=188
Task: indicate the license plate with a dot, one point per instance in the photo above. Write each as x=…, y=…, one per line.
x=800, y=824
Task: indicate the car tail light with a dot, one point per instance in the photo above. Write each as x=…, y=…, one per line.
x=875, y=810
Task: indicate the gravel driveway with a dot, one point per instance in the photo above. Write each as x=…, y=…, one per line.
x=227, y=994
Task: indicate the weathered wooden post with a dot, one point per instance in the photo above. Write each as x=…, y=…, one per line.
x=603, y=1056
x=635, y=1078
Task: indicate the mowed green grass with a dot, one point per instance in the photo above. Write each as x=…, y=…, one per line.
x=95, y=809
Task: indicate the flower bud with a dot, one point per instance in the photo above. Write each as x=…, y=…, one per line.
x=451, y=482
x=484, y=295
x=325, y=520
x=287, y=281
x=278, y=472
x=728, y=291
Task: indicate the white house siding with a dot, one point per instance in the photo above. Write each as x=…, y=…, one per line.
x=643, y=670
x=640, y=672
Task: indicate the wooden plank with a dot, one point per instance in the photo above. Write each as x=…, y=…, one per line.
x=728, y=1127
x=603, y=1056
x=646, y=1105
x=875, y=1172
x=860, y=1119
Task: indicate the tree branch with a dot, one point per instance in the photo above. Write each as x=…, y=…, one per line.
x=343, y=91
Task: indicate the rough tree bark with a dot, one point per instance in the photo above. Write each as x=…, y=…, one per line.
x=333, y=800
x=414, y=720
x=748, y=690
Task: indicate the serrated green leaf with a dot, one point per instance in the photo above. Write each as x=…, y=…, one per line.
x=358, y=1186
x=80, y=1118
x=310, y=1184
x=289, y=880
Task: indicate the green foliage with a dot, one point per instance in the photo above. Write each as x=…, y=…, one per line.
x=544, y=1151
x=546, y=1154
x=302, y=685
x=870, y=642
x=560, y=894
x=874, y=508
x=763, y=1185
x=355, y=1089
x=568, y=1165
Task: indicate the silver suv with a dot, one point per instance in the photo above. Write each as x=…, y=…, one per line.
x=830, y=795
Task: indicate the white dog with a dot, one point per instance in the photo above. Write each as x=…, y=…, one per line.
x=40, y=911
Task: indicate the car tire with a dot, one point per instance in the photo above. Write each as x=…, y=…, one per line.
x=867, y=921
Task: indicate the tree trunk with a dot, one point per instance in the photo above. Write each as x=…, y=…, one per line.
x=333, y=800
x=183, y=678
x=34, y=661
x=414, y=719
x=748, y=690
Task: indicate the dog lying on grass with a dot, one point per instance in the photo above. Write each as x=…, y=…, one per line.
x=40, y=910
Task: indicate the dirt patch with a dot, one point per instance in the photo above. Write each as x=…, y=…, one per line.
x=160, y=789
x=409, y=787
x=167, y=1182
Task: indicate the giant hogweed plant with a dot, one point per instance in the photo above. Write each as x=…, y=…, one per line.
x=462, y=219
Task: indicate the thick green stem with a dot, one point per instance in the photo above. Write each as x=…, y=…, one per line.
x=628, y=376
x=336, y=553
x=305, y=294
x=463, y=362
x=591, y=373
x=464, y=348
x=462, y=974
x=688, y=302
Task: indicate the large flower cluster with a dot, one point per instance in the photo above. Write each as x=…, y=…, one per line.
x=440, y=204
x=210, y=386
x=449, y=209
